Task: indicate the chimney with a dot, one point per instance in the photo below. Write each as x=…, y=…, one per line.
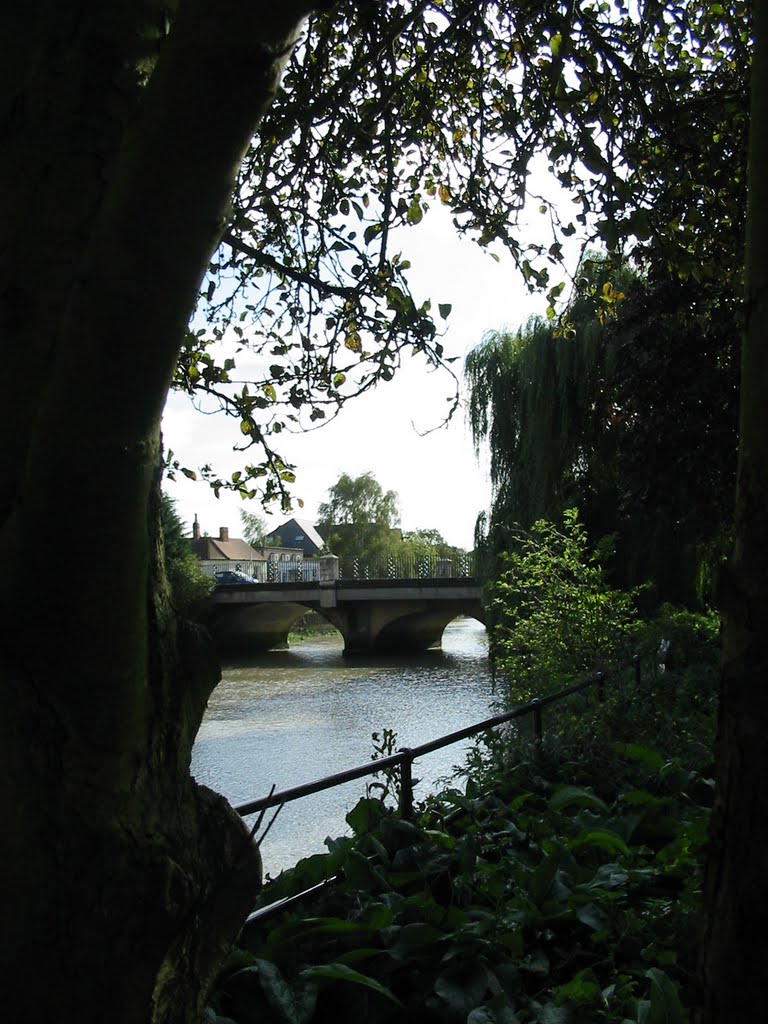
x=223, y=533
x=195, y=529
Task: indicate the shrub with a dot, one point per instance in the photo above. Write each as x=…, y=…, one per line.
x=190, y=587
x=554, y=615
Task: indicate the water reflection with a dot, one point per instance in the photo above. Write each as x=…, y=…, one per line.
x=288, y=717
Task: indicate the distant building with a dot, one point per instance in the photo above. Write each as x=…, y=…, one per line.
x=222, y=548
x=275, y=561
x=297, y=533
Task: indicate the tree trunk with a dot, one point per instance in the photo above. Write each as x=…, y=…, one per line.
x=122, y=880
x=736, y=886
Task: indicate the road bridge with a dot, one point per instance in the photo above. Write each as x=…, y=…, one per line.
x=373, y=616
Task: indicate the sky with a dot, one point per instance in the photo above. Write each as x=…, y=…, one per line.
x=389, y=432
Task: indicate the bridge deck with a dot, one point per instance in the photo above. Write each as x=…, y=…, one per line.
x=351, y=590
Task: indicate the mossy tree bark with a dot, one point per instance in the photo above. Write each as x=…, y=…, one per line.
x=737, y=884
x=121, y=135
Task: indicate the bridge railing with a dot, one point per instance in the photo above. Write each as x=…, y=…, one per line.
x=404, y=758
x=428, y=567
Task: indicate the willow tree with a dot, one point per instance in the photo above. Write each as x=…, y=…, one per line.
x=539, y=401
x=149, y=161
x=626, y=409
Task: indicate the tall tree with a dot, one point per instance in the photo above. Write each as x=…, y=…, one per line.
x=119, y=158
x=175, y=539
x=737, y=888
x=359, y=518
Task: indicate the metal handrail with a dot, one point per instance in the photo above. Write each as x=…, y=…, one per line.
x=406, y=758
x=407, y=755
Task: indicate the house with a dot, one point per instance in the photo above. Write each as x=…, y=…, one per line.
x=297, y=533
x=272, y=562
x=222, y=548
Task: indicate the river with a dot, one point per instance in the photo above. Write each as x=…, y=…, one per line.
x=288, y=717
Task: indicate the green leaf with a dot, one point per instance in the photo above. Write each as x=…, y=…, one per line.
x=540, y=880
x=666, y=1007
x=592, y=916
x=415, y=212
x=582, y=990
x=294, y=1005
x=340, y=972
x=497, y=1011
x=463, y=986
x=569, y=796
x=359, y=873
x=444, y=309
x=330, y=926
x=634, y=752
x=551, y=1014
x=603, y=839
x=413, y=937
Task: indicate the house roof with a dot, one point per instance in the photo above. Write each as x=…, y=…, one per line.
x=213, y=548
x=306, y=526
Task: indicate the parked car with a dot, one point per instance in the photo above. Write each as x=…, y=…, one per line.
x=229, y=577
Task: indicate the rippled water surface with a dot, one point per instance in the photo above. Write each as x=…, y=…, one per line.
x=288, y=717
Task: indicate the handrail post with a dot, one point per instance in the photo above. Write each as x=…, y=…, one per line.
x=538, y=728
x=636, y=660
x=406, y=784
x=600, y=677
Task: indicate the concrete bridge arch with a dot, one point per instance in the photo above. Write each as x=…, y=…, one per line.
x=377, y=616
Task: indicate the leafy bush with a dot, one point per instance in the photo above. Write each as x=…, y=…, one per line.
x=190, y=587
x=694, y=636
x=554, y=615
x=535, y=900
